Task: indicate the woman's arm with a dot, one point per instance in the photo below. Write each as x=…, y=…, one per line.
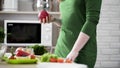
x=79, y=44
x=92, y=17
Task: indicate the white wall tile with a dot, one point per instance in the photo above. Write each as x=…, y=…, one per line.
x=108, y=35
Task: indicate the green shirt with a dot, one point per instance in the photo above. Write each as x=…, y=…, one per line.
x=78, y=16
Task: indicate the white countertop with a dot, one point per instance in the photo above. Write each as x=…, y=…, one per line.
x=60, y=65
x=42, y=65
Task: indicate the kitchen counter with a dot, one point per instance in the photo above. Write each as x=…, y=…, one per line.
x=42, y=65
x=5, y=65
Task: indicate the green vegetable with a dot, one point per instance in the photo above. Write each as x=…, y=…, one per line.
x=21, y=61
x=53, y=56
x=2, y=35
x=39, y=49
x=46, y=57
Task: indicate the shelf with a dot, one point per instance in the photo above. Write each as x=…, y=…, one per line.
x=25, y=12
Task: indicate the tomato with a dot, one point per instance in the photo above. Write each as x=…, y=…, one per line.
x=32, y=56
x=53, y=60
x=60, y=60
x=12, y=57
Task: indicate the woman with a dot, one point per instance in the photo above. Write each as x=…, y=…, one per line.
x=77, y=38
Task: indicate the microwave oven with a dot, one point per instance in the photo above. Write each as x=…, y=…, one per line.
x=26, y=33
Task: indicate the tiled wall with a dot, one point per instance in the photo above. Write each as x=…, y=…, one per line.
x=109, y=35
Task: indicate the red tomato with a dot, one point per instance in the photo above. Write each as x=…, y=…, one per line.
x=60, y=60
x=32, y=56
x=53, y=60
x=12, y=57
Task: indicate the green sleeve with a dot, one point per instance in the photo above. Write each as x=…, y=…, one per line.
x=92, y=16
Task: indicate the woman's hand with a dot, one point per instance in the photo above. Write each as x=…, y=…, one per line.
x=79, y=44
x=58, y=1
x=45, y=17
x=72, y=56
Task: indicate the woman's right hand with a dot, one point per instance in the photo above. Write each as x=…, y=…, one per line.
x=45, y=17
x=58, y=1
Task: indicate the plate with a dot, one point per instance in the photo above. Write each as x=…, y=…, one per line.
x=21, y=61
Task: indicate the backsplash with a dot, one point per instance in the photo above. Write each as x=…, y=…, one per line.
x=109, y=35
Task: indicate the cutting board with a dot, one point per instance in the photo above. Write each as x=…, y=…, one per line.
x=60, y=65
x=22, y=61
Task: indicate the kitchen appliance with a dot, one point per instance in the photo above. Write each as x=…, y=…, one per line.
x=10, y=5
x=26, y=33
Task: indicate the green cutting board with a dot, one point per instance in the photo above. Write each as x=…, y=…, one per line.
x=21, y=61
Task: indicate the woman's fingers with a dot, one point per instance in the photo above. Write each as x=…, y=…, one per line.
x=71, y=59
x=47, y=20
x=40, y=21
x=43, y=20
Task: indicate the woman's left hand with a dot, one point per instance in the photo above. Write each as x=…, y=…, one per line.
x=72, y=55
